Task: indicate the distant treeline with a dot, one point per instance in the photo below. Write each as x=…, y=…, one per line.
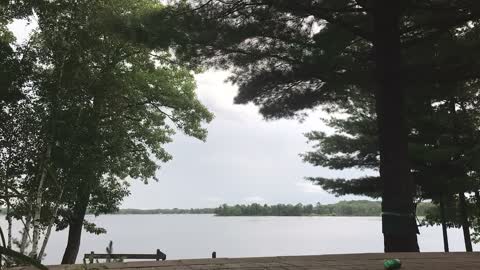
x=153, y=211
x=343, y=208
x=165, y=211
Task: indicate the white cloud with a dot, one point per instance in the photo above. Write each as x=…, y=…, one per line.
x=308, y=187
x=218, y=96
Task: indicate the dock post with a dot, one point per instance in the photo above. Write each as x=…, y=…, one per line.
x=90, y=258
x=161, y=255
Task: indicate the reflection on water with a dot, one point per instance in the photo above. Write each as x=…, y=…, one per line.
x=196, y=236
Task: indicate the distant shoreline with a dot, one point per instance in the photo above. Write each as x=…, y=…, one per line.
x=174, y=211
x=205, y=214
x=359, y=208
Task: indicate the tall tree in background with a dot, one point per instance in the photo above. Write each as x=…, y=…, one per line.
x=443, y=149
x=288, y=56
x=104, y=107
x=398, y=221
x=20, y=122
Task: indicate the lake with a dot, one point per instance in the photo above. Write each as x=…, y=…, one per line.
x=196, y=236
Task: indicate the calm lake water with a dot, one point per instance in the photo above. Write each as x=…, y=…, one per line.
x=196, y=236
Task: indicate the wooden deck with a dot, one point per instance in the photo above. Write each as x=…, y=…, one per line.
x=435, y=261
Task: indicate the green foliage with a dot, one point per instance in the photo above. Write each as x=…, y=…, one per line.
x=291, y=56
x=124, y=102
x=105, y=107
x=443, y=151
x=93, y=228
x=165, y=211
x=364, y=186
x=342, y=208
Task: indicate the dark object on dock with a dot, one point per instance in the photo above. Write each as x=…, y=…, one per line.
x=158, y=256
x=214, y=255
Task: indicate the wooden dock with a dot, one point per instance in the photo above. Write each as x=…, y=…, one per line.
x=410, y=261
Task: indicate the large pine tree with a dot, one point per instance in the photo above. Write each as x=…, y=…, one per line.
x=289, y=56
x=443, y=149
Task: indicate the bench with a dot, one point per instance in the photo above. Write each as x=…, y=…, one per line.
x=157, y=256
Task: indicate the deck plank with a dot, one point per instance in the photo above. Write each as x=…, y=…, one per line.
x=410, y=261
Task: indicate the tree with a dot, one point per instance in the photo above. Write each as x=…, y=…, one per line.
x=19, y=128
x=342, y=208
x=106, y=107
x=442, y=149
x=289, y=56
x=14, y=66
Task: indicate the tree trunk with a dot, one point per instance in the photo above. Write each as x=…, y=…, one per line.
x=76, y=225
x=444, y=224
x=45, y=241
x=73, y=243
x=398, y=218
x=54, y=105
x=9, y=228
x=50, y=226
x=25, y=234
x=464, y=221
x=8, y=216
x=38, y=202
x=91, y=178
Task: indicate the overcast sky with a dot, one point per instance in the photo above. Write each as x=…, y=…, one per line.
x=245, y=158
